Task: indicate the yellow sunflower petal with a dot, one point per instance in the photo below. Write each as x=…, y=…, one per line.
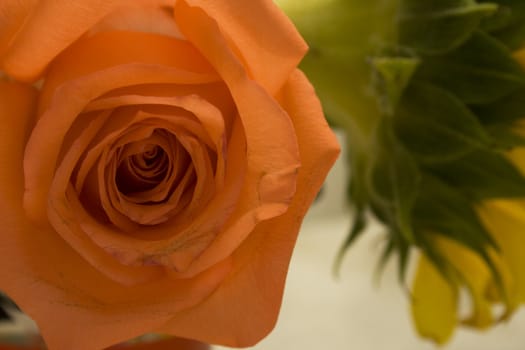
x=506, y=220
x=477, y=277
x=434, y=303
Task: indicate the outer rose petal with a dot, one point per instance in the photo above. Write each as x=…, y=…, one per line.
x=270, y=51
x=245, y=308
x=49, y=27
x=12, y=15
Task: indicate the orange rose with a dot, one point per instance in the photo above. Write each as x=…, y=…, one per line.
x=155, y=178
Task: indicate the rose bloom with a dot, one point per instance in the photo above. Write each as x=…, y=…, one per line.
x=157, y=159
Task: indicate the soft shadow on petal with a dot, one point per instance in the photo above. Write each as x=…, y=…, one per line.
x=245, y=308
x=17, y=108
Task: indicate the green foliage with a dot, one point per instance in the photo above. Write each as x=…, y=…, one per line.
x=429, y=95
x=506, y=110
x=480, y=71
x=483, y=174
x=437, y=26
x=508, y=23
x=392, y=77
x=449, y=108
x=436, y=126
x=394, y=180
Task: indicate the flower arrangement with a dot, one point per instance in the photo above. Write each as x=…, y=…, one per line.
x=158, y=158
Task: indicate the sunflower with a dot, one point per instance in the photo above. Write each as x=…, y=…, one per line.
x=431, y=95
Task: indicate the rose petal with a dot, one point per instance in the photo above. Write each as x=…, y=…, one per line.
x=165, y=247
x=121, y=48
x=139, y=17
x=44, y=146
x=68, y=288
x=245, y=308
x=270, y=51
x=210, y=117
x=125, y=119
x=94, y=255
x=275, y=158
x=17, y=107
x=49, y=27
x=13, y=13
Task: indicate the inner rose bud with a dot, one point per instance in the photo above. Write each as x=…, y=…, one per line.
x=151, y=172
x=141, y=168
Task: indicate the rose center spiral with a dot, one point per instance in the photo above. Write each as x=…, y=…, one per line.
x=143, y=170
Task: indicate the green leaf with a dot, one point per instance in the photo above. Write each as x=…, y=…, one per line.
x=479, y=72
x=442, y=209
x=505, y=138
x=507, y=24
x=403, y=249
x=449, y=272
x=483, y=175
x=508, y=109
x=392, y=77
x=435, y=126
x=395, y=243
x=357, y=229
x=388, y=250
x=393, y=180
x=437, y=26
